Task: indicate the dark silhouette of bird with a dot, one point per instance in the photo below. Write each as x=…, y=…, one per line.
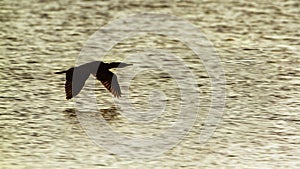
x=76, y=77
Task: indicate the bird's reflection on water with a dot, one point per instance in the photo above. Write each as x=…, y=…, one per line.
x=108, y=114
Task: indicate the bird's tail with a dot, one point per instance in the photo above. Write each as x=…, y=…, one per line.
x=118, y=65
x=61, y=72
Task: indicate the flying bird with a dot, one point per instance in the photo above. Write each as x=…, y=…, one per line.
x=76, y=77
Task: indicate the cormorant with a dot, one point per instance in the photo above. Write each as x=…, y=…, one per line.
x=76, y=77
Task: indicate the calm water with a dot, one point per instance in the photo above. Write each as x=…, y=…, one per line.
x=259, y=46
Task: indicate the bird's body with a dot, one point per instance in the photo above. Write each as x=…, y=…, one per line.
x=76, y=77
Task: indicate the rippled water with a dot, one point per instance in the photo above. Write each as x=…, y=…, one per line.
x=258, y=43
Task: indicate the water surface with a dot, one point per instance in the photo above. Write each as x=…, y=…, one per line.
x=258, y=43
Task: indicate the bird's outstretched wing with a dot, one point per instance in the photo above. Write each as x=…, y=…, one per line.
x=75, y=80
x=110, y=81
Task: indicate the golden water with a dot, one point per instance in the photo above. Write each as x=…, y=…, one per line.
x=259, y=46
